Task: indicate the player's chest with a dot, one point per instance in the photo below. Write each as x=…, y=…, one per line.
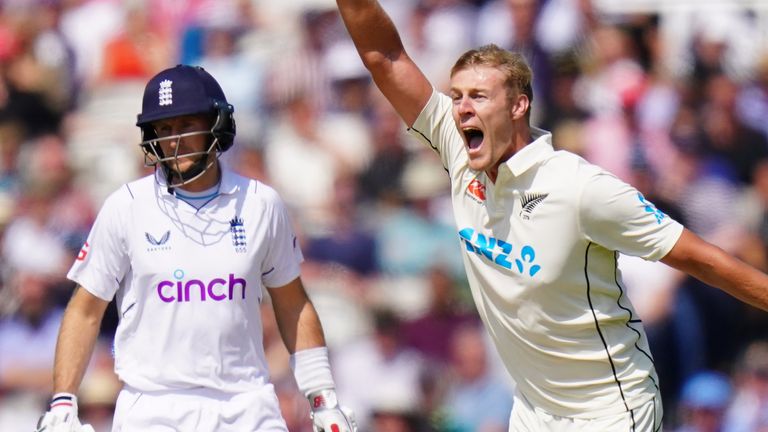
x=520, y=229
x=225, y=237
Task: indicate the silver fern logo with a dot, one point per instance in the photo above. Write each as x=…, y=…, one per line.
x=530, y=202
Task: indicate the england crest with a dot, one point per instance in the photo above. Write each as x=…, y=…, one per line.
x=237, y=230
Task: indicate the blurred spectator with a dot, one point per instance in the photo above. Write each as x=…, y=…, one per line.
x=225, y=54
x=511, y=24
x=349, y=106
x=613, y=83
x=27, y=342
x=294, y=145
x=476, y=400
x=674, y=100
x=431, y=333
x=30, y=243
x=410, y=233
x=30, y=93
x=752, y=102
x=87, y=25
x=11, y=136
x=99, y=389
x=726, y=136
x=347, y=242
x=703, y=401
x=381, y=180
x=45, y=167
x=138, y=51
x=392, y=414
x=398, y=369
x=748, y=412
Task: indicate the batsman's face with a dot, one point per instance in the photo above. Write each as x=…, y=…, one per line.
x=186, y=137
x=483, y=116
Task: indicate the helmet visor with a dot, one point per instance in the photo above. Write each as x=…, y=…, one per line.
x=176, y=176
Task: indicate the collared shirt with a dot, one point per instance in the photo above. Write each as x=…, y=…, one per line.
x=540, y=248
x=188, y=282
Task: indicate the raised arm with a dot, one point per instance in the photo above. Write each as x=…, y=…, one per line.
x=382, y=52
x=717, y=268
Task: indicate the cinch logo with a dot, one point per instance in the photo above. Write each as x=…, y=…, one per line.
x=216, y=289
x=498, y=252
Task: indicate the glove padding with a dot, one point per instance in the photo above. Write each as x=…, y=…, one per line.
x=328, y=416
x=62, y=416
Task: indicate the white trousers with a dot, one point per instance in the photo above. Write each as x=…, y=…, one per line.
x=198, y=410
x=645, y=418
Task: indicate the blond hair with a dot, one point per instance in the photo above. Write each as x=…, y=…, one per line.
x=518, y=75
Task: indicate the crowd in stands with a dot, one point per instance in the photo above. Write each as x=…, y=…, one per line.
x=672, y=99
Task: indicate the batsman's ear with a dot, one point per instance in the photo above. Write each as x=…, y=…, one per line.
x=519, y=106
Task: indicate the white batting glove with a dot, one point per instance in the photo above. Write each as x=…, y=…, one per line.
x=327, y=415
x=62, y=416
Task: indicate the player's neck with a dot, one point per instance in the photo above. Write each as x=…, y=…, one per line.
x=521, y=138
x=208, y=180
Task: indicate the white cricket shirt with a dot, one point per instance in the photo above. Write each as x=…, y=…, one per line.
x=540, y=248
x=189, y=282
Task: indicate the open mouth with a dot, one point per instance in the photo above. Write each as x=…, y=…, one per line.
x=474, y=137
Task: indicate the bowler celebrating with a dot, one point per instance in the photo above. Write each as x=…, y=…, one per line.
x=541, y=231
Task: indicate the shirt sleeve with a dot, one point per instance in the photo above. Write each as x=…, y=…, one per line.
x=103, y=260
x=436, y=128
x=281, y=264
x=617, y=216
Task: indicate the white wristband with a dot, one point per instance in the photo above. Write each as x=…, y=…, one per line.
x=312, y=370
x=63, y=402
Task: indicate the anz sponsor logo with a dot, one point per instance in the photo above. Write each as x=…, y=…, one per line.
x=500, y=252
x=157, y=244
x=181, y=290
x=650, y=208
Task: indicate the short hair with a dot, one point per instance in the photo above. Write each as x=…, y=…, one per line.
x=513, y=65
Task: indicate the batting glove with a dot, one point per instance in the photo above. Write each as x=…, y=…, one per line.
x=62, y=416
x=327, y=415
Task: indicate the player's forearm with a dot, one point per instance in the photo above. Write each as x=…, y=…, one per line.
x=372, y=31
x=737, y=279
x=77, y=338
x=296, y=317
x=717, y=268
x=301, y=329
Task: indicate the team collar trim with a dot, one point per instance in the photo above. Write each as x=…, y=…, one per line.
x=532, y=153
x=228, y=182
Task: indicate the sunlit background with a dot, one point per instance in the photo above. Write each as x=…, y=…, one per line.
x=670, y=95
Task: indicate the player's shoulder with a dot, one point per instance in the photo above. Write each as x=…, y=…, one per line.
x=126, y=194
x=574, y=166
x=255, y=190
